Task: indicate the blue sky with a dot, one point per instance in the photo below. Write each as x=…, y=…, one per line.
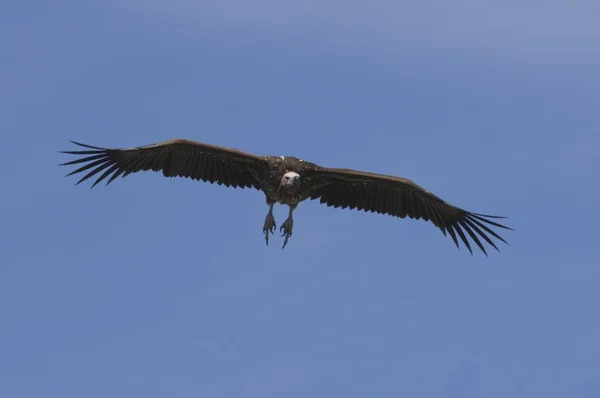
x=162, y=287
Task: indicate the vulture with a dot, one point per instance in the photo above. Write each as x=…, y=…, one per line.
x=288, y=180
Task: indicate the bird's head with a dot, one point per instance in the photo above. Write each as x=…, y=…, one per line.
x=290, y=180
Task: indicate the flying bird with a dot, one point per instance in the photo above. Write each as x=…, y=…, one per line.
x=288, y=180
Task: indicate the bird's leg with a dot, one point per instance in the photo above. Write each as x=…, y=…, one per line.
x=287, y=226
x=269, y=221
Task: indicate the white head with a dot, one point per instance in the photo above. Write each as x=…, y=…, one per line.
x=290, y=180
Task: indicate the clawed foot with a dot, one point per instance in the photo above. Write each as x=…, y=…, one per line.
x=286, y=230
x=269, y=226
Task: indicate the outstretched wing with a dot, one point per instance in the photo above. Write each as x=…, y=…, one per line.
x=175, y=158
x=402, y=198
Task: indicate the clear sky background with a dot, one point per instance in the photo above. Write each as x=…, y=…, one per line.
x=157, y=287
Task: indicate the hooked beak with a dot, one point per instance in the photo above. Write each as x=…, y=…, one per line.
x=296, y=181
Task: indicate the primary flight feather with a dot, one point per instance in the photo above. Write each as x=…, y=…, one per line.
x=289, y=181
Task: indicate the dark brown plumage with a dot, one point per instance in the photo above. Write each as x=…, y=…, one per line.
x=289, y=180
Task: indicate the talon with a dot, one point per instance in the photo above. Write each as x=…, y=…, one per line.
x=285, y=241
x=269, y=225
x=287, y=228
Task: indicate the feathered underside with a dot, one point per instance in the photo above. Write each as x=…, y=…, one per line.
x=175, y=158
x=402, y=198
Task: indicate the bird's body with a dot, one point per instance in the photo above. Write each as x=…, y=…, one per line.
x=278, y=166
x=288, y=180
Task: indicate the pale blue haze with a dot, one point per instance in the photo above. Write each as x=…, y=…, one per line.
x=159, y=287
